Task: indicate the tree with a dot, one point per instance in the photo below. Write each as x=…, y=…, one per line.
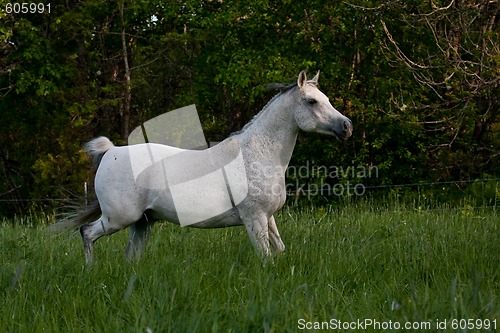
x=66, y=76
x=452, y=52
x=418, y=79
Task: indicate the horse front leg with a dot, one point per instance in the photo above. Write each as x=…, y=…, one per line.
x=258, y=232
x=274, y=236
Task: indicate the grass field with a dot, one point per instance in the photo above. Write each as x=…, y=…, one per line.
x=437, y=270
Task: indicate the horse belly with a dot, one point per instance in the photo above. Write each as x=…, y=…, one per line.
x=198, y=186
x=201, y=199
x=194, y=213
x=229, y=218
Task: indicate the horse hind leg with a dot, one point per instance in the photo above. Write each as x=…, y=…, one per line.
x=139, y=235
x=88, y=244
x=93, y=231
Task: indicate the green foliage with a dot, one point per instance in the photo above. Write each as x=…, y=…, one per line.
x=422, y=111
x=362, y=261
x=485, y=192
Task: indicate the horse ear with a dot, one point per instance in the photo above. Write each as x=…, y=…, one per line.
x=314, y=80
x=302, y=80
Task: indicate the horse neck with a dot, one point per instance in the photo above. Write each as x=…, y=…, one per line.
x=274, y=131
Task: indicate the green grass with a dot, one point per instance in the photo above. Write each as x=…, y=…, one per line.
x=361, y=262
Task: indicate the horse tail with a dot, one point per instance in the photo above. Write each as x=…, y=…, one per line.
x=96, y=149
x=74, y=220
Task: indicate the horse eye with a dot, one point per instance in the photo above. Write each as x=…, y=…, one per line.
x=312, y=101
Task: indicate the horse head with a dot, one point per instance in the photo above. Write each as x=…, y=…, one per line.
x=315, y=113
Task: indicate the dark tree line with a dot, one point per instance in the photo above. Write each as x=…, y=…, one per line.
x=419, y=79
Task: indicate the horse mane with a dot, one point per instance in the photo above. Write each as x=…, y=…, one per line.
x=283, y=89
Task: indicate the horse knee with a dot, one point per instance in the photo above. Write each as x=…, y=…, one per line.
x=260, y=238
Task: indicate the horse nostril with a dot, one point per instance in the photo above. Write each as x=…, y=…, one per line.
x=347, y=124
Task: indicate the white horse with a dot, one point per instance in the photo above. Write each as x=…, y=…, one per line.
x=240, y=181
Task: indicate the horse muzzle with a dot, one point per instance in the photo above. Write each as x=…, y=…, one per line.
x=347, y=129
x=342, y=129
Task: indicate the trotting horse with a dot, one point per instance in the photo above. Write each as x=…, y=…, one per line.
x=240, y=181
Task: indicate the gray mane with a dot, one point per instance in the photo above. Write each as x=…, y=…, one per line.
x=283, y=89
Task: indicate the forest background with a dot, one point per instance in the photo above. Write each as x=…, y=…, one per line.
x=419, y=80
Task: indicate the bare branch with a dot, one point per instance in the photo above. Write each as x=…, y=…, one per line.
x=371, y=8
x=436, y=8
x=403, y=56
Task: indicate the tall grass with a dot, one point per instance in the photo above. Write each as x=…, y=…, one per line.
x=364, y=261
